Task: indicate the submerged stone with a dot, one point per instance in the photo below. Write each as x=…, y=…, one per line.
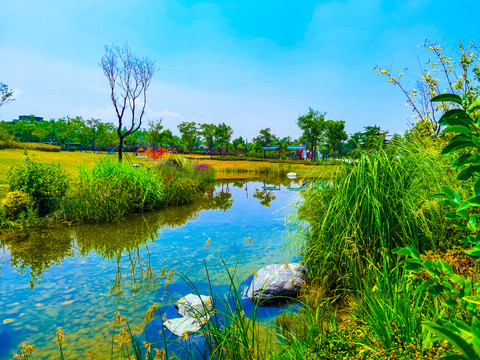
x=195, y=311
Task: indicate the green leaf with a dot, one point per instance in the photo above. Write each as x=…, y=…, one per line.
x=425, y=285
x=468, y=172
x=412, y=266
x=454, y=357
x=457, y=129
x=449, y=202
x=456, y=146
x=455, y=340
x=475, y=140
x=476, y=333
x=474, y=106
x=449, y=192
x=473, y=252
x=476, y=188
x=462, y=160
x=472, y=299
x=452, y=215
x=463, y=206
x=407, y=251
x=450, y=303
x=475, y=200
x=447, y=97
x=436, y=290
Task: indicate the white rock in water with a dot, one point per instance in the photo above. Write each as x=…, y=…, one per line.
x=185, y=324
x=291, y=175
x=194, y=305
x=195, y=311
x=276, y=280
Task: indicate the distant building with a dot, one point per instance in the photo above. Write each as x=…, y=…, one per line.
x=26, y=117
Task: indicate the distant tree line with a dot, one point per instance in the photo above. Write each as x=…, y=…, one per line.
x=76, y=133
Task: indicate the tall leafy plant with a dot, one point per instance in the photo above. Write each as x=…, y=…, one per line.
x=460, y=325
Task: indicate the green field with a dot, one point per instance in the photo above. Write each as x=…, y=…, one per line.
x=70, y=161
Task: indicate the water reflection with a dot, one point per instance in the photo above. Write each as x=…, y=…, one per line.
x=77, y=276
x=36, y=251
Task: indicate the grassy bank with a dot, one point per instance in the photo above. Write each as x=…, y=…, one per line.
x=43, y=193
x=386, y=261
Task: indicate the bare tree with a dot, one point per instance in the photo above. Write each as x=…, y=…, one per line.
x=6, y=95
x=129, y=77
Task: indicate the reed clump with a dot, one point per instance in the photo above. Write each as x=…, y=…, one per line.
x=109, y=191
x=382, y=201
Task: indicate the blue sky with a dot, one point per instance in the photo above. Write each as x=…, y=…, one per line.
x=250, y=64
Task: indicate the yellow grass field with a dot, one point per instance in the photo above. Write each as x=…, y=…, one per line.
x=71, y=161
x=244, y=169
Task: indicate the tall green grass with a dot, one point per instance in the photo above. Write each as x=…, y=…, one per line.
x=109, y=191
x=382, y=201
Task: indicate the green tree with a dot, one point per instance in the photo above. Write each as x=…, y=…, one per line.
x=189, y=133
x=154, y=133
x=68, y=129
x=238, y=144
x=6, y=95
x=313, y=125
x=264, y=138
x=335, y=134
x=208, y=134
x=84, y=134
x=94, y=126
x=223, y=133
x=106, y=135
x=129, y=77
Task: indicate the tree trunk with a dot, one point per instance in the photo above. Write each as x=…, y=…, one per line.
x=120, y=149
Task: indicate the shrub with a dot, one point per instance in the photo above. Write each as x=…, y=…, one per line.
x=45, y=183
x=37, y=146
x=15, y=203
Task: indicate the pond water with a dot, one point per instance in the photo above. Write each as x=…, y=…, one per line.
x=76, y=277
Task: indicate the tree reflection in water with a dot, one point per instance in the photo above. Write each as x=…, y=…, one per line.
x=37, y=251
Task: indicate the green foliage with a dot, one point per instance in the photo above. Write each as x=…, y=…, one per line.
x=189, y=133
x=15, y=203
x=460, y=325
x=181, y=191
x=45, y=183
x=265, y=138
x=381, y=201
x=111, y=190
x=335, y=133
x=313, y=126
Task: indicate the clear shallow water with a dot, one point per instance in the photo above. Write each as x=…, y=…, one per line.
x=77, y=277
